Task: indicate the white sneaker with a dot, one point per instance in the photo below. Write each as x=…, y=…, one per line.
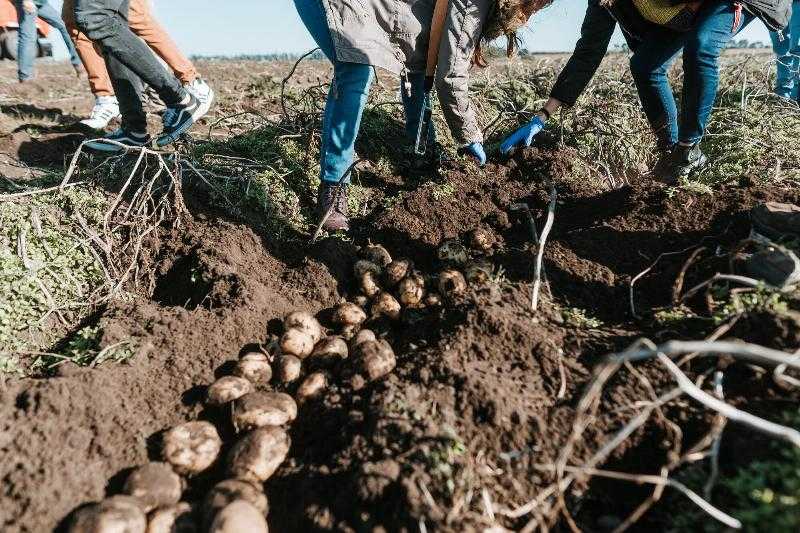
x=106, y=109
x=204, y=93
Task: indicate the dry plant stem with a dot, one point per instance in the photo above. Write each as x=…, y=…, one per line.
x=17, y=195
x=289, y=76
x=326, y=216
x=743, y=280
x=537, y=274
x=644, y=272
x=712, y=478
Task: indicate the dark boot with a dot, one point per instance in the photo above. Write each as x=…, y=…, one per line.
x=664, y=162
x=334, y=197
x=682, y=161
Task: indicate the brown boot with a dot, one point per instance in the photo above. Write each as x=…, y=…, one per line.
x=333, y=195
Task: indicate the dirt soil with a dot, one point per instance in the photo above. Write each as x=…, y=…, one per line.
x=485, y=390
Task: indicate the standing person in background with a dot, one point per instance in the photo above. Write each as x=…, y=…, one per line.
x=130, y=62
x=27, y=12
x=787, y=55
x=142, y=23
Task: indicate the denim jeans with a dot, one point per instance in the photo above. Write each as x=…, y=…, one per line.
x=717, y=23
x=129, y=60
x=787, y=55
x=347, y=98
x=27, y=37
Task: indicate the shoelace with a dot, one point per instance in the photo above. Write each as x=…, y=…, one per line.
x=336, y=195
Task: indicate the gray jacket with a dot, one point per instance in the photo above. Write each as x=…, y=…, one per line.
x=393, y=35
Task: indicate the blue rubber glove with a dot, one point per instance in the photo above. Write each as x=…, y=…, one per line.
x=475, y=151
x=523, y=136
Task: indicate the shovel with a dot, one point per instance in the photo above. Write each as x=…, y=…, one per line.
x=426, y=113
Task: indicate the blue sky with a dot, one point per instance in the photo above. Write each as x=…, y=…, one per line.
x=211, y=27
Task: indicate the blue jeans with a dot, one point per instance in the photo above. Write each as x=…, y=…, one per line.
x=787, y=55
x=717, y=23
x=27, y=37
x=347, y=97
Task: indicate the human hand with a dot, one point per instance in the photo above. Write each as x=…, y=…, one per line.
x=523, y=136
x=29, y=7
x=476, y=152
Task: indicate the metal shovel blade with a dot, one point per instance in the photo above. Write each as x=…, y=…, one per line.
x=423, y=128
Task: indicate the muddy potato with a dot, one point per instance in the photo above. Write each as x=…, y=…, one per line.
x=118, y=514
x=258, y=454
x=348, y=314
x=306, y=322
x=375, y=359
x=314, y=385
x=173, y=519
x=348, y=332
x=155, y=485
x=453, y=252
x=369, y=285
x=481, y=240
x=227, y=389
x=433, y=299
x=396, y=271
x=412, y=290
x=478, y=272
x=362, y=266
x=362, y=336
x=386, y=305
x=377, y=254
x=225, y=492
x=254, y=367
x=297, y=342
x=330, y=350
x=361, y=300
x=239, y=516
x=289, y=368
x=259, y=409
x=191, y=447
x=452, y=284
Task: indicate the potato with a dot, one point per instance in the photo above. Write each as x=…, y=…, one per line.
x=173, y=519
x=155, y=485
x=369, y=285
x=452, y=252
x=361, y=300
x=396, y=271
x=348, y=314
x=258, y=454
x=229, y=491
x=348, y=332
x=118, y=514
x=313, y=386
x=330, y=350
x=289, y=368
x=377, y=254
x=375, y=359
x=481, y=240
x=362, y=266
x=259, y=409
x=433, y=299
x=478, y=272
x=412, y=289
x=297, y=342
x=239, y=516
x=191, y=447
x=362, y=336
x=254, y=367
x=227, y=389
x=386, y=305
x=304, y=322
x=452, y=284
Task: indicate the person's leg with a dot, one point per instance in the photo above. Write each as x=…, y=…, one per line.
x=143, y=24
x=413, y=101
x=90, y=54
x=51, y=16
x=128, y=88
x=717, y=24
x=26, y=41
x=784, y=79
x=793, y=37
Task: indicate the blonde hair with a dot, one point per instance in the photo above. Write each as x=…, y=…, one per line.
x=505, y=18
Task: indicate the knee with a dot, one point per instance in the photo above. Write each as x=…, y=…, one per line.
x=702, y=50
x=353, y=78
x=641, y=69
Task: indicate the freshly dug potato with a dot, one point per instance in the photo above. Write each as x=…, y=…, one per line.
x=369, y=285
x=191, y=447
x=377, y=254
x=362, y=336
x=304, y=321
x=118, y=514
x=432, y=299
x=173, y=519
x=314, y=385
x=155, y=485
x=412, y=289
x=386, y=305
x=258, y=454
x=330, y=350
x=348, y=314
x=481, y=240
x=254, y=367
x=239, y=516
x=375, y=359
x=348, y=332
x=361, y=300
x=297, y=342
x=289, y=368
x=229, y=491
x=452, y=252
x=478, y=272
x=259, y=409
x=452, y=283
x=362, y=266
x=227, y=389
x=397, y=270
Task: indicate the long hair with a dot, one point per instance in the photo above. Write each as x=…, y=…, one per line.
x=505, y=18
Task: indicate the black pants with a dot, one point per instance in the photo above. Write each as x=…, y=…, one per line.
x=129, y=60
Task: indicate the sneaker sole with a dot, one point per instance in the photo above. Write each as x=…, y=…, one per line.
x=203, y=108
x=165, y=139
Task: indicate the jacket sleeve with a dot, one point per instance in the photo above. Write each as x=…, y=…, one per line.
x=596, y=32
x=463, y=27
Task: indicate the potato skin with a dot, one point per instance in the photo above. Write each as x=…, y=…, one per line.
x=191, y=447
x=312, y=386
x=258, y=454
x=289, y=368
x=231, y=490
x=176, y=518
x=396, y=271
x=330, y=350
x=362, y=265
x=227, y=389
x=297, y=342
x=306, y=322
x=155, y=485
x=377, y=254
x=376, y=359
x=349, y=314
x=239, y=516
x=362, y=336
x=256, y=370
x=369, y=285
x=118, y=514
x=412, y=290
x=259, y=409
x=452, y=284
x=386, y=305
